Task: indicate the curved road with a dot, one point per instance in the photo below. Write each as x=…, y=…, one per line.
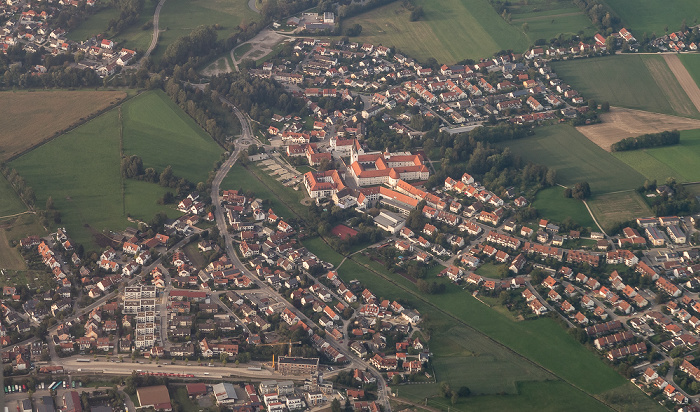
x=156, y=32
x=247, y=138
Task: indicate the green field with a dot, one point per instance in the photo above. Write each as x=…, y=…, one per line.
x=94, y=25
x=451, y=31
x=641, y=82
x=679, y=161
x=548, y=19
x=576, y=159
x=692, y=64
x=80, y=169
x=179, y=17
x=613, y=208
x=10, y=203
x=551, y=204
x=652, y=16
x=323, y=251
x=490, y=270
x=162, y=134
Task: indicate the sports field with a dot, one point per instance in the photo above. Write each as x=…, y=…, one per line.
x=576, y=159
x=679, y=161
x=29, y=118
x=613, y=208
x=450, y=31
x=551, y=204
x=156, y=129
x=653, y=16
x=641, y=82
x=180, y=17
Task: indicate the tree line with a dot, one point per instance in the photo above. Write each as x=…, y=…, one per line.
x=667, y=138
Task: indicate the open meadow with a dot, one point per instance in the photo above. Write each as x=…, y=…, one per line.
x=450, y=31
x=547, y=19
x=679, y=161
x=613, y=208
x=86, y=185
x=157, y=130
x=96, y=24
x=642, y=82
x=576, y=159
x=653, y=16
x=31, y=117
x=551, y=204
x=10, y=203
x=179, y=17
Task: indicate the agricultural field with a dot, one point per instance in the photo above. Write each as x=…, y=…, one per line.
x=692, y=64
x=86, y=185
x=551, y=204
x=613, y=208
x=653, y=16
x=642, y=82
x=548, y=19
x=29, y=118
x=450, y=31
x=576, y=159
x=156, y=129
x=179, y=17
x=679, y=161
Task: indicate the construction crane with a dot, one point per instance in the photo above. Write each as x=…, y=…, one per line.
x=290, y=343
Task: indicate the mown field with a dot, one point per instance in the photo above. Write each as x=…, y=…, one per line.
x=548, y=19
x=641, y=82
x=80, y=169
x=94, y=25
x=29, y=118
x=576, y=159
x=653, y=16
x=323, y=251
x=10, y=203
x=179, y=17
x=551, y=204
x=679, y=161
x=451, y=31
x=692, y=64
x=613, y=208
x=156, y=129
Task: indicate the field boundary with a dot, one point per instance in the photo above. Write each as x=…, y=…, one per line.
x=684, y=78
x=70, y=128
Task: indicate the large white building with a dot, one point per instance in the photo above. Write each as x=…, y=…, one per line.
x=324, y=184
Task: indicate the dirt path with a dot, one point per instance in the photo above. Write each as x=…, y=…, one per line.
x=621, y=123
x=684, y=78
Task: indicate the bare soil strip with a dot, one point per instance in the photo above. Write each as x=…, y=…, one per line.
x=621, y=123
x=684, y=78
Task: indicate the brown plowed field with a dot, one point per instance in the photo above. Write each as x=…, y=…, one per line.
x=684, y=78
x=621, y=123
x=29, y=118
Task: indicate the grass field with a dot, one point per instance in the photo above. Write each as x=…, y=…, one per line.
x=549, y=19
x=641, y=82
x=323, y=251
x=576, y=159
x=10, y=203
x=551, y=204
x=692, y=64
x=451, y=31
x=179, y=17
x=29, y=118
x=162, y=134
x=679, y=161
x=11, y=231
x=9, y=256
x=613, y=208
x=490, y=270
x=652, y=16
x=85, y=183
x=94, y=25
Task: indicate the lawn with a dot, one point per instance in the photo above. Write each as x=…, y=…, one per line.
x=162, y=134
x=10, y=203
x=641, y=82
x=450, y=31
x=12, y=230
x=179, y=17
x=614, y=208
x=492, y=271
x=576, y=159
x=10, y=258
x=95, y=25
x=324, y=252
x=30, y=117
x=135, y=37
x=241, y=50
x=679, y=161
x=653, y=16
x=80, y=169
x=551, y=204
x=549, y=19
x=240, y=178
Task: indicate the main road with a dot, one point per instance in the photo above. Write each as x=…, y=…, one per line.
x=247, y=138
